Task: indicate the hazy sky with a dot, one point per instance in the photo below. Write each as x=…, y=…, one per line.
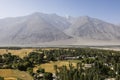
x=108, y=10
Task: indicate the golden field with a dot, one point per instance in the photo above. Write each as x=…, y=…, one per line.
x=49, y=67
x=21, y=52
x=10, y=74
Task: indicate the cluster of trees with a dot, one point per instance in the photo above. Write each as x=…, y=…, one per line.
x=11, y=48
x=15, y=62
x=107, y=56
x=42, y=75
x=27, y=63
x=105, y=63
x=98, y=71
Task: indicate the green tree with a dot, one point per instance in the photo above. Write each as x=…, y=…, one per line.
x=41, y=70
x=1, y=78
x=30, y=70
x=48, y=76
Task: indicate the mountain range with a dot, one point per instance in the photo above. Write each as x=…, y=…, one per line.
x=52, y=29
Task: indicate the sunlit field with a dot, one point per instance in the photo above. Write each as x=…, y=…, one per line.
x=11, y=74
x=49, y=67
x=21, y=52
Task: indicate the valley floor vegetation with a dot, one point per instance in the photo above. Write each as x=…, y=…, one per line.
x=64, y=64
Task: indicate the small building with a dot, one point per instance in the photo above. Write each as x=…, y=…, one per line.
x=66, y=57
x=41, y=75
x=88, y=65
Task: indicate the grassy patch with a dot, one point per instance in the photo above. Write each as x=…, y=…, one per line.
x=21, y=53
x=49, y=67
x=10, y=74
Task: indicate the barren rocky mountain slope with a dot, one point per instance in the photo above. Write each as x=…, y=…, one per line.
x=40, y=28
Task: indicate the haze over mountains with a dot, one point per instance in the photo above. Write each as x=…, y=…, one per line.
x=40, y=28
